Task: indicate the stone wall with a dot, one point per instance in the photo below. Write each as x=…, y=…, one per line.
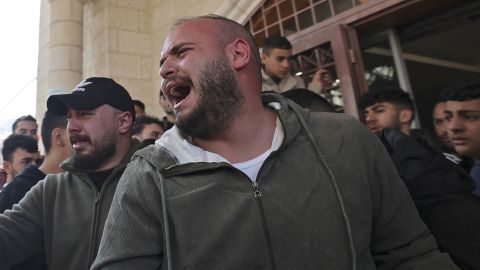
x=121, y=39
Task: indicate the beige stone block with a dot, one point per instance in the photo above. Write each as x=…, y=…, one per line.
x=100, y=44
x=127, y=19
x=162, y=19
x=66, y=32
x=146, y=68
x=134, y=42
x=138, y=89
x=126, y=66
x=97, y=67
x=61, y=10
x=63, y=79
x=100, y=23
x=44, y=15
x=113, y=40
x=165, y=5
x=59, y=58
x=77, y=10
x=135, y=4
x=76, y=59
x=95, y=6
x=94, y=18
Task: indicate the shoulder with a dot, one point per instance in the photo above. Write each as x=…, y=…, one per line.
x=55, y=180
x=154, y=156
x=339, y=123
x=340, y=133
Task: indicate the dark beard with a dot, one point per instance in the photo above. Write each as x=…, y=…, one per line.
x=219, y=103
x=100, y=155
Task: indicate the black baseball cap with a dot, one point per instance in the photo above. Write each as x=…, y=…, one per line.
x=91, y=94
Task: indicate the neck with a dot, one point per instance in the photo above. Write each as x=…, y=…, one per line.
x=406, y=129
x=9, y=178
x=51, y=163
x=249, y=136
x=170, y=117
x=274, y=78
x=123, y=146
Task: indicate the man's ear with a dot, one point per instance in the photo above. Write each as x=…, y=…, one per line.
x=125, y=121
x=240, y=53
x=7, y=166
x=263, y=57
x=57, y=136
x=406, y=116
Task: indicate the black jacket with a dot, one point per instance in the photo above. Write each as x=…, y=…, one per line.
x=441, y=191
x=20, y=185
x=12, y=194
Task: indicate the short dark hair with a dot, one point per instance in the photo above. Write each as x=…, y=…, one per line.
x=309, y=99
x=138, y=103
x=49, y=123
x=16, y=141
x=390, y=93
x=22, y=118
x=462, y=91
x=142, y=121
x=276, y=42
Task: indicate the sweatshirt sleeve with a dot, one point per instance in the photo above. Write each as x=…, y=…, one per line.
x=21, y=231
x=133, y=234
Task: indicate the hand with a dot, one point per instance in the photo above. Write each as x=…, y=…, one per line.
x=323, y=77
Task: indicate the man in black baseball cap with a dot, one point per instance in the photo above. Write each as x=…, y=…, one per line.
x=63, y=215
x=90, y=94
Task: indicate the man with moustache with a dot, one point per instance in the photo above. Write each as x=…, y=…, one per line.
x=251, y=181
x=64, y=214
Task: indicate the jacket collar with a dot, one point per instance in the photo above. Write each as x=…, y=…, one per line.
x=161, y=157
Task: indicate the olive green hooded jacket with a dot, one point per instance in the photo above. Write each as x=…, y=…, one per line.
x=62, y=216
x=328, y=198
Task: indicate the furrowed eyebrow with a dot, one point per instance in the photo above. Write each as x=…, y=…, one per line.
x=174, y=50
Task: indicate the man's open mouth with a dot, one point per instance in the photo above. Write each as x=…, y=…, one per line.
x=179, y=92
x=78, y=141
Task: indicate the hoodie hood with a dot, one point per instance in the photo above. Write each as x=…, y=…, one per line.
x=179, y=149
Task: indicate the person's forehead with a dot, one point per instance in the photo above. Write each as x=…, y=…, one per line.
x=467, y=105
x=439, y=108
x=383, y=104
x=27, y=124
x=281, y=52
x=195, y=31
x=153, y=127
x=21, y=153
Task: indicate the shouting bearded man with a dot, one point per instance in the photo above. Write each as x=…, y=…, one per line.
x=251, y=181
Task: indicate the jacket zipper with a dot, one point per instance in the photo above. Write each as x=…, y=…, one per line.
x=258, y=197
x=93, y=236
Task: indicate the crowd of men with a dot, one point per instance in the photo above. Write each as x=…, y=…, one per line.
x=247, y=170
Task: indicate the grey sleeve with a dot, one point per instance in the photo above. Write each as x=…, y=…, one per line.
x=133, y=234
x=400, y=239
x=21, y=229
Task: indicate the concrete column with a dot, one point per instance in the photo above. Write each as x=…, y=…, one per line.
x=66, y=44
x=61, y=48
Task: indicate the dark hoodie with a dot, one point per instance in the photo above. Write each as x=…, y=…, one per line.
x=442, y=194
x=20, y=185
x=11, y=195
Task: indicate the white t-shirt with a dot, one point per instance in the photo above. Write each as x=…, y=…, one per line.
x=252, y=167
x=186, y=152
